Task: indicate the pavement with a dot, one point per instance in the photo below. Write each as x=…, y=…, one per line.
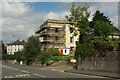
x=22, y=71
x=96, y=73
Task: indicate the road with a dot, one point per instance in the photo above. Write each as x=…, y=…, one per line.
x=16, y=71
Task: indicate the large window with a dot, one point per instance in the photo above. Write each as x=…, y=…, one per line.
x=71, y=39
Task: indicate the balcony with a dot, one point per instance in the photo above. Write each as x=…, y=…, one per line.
x=54, y=41
x=52, y=34
x=47, y=27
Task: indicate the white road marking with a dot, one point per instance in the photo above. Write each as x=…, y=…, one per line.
x=21, y=75
x=39, y=75
x=8, y=77
x=9, y=67
x=24, y=71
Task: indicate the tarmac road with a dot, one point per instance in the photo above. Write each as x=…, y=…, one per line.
x=17, y=71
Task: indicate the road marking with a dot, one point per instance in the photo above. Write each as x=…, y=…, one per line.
x=22, y=75
x=39, y=75
x=9, y=67
x=8, y=77
x=24, y=71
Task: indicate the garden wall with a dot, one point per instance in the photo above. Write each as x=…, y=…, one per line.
x=108, y=63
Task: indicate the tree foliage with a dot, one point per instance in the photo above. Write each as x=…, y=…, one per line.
x=85, y=50
x=19, y=56
x=44, y=55
x=32, y=48
x=89, y=32
x=79, y=18
x=98, y=16
x=102, y=29
x=4, y=49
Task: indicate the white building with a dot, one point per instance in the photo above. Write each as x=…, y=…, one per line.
x=56, y=34
x=15, y=46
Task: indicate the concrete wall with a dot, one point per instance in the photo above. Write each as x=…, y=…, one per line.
x=67, y=44
x=108, y=63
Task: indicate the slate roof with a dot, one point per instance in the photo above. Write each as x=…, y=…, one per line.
x=17, y=43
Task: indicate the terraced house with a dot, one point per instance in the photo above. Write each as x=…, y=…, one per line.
x=56, y=34
x=15, y=47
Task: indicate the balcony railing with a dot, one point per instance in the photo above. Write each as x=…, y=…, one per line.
x=52, y=34
x=54, y=41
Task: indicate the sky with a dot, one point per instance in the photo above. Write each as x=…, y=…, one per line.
x=21, y=19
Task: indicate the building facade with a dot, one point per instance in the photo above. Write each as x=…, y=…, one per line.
x=15, y=47
x=56, y=34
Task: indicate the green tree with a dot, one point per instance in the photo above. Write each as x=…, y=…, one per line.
x=79, y=18
x=4, y=49
x=102, y=28
x=32, y=48
x=98, y=16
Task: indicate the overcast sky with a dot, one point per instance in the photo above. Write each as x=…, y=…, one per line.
x=20, y=19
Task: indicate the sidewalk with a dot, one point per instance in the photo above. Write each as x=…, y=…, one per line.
x=96, y=73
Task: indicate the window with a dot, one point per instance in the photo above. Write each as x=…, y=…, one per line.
x=71, y=48
x=71, y=39
x=65, y=51
x=56, y=38
x=56, y=30
x=71, y=29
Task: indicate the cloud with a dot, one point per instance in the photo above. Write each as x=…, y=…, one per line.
x=114, y=20
x=21, y=20
x=60, y=0
x=17, y=28
x=15, y=9
x=57, y=15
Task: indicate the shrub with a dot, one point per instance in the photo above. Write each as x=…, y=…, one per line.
x=85, y=50
x=8, y=57
x=57, y=58
x=19, y=56
x=44, y=55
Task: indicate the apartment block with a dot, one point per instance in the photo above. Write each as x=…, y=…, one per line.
x=56, y=34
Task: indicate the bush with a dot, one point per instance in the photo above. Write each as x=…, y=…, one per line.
x=8, y=57
x=57, y=58
x=19, y=56
x=85, y=50
x=44, y=55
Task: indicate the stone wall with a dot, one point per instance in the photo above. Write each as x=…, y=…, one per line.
x=108, y=63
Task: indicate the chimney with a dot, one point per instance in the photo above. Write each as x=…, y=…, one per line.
x=22, y=40
x=17, y=40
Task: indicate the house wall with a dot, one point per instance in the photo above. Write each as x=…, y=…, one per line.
x=11, y=49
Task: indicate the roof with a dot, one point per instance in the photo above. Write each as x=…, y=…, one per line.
x=17, y=43
x=52, y=21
